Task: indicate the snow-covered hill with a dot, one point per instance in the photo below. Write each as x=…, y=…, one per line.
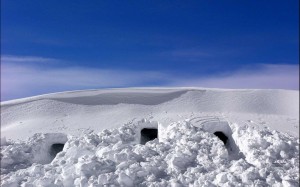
x=74, y=112
x=152, y=136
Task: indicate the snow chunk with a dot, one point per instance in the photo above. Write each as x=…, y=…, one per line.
x=185, y=155
x=37, y=149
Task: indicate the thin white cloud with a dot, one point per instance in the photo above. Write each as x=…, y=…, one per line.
x=21, y=80
x=199, y=53
x=28, y=79
x=32, y=59
x=265, y=76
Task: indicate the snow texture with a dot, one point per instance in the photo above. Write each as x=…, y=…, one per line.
x=184, y=154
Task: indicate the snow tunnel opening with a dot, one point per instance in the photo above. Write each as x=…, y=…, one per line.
x=56, y=148
x=221, y=136
x=148, y=134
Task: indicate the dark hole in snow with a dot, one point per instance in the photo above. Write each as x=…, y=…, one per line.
x=148, y=135
x=56, y=148
x=221, y=136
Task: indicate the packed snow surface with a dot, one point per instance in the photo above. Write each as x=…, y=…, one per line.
x=152, y=137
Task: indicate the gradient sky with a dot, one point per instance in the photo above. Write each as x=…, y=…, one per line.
x=50, y=46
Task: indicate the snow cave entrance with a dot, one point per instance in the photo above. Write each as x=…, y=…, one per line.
x=56, y=148
x=221, y=136
x=148, y=134
x=221, y=129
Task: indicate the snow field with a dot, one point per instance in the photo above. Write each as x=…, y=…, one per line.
x=185, y=154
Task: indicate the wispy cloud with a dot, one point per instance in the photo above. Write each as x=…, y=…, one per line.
x=27, y=79
x=21, y=79
x=32, y=59
x=199, y=54
x=264, y=76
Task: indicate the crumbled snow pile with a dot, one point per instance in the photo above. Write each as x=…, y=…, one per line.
x=37, y=149
x=184, y=155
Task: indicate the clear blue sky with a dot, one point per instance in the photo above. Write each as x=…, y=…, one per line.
x=56, y=45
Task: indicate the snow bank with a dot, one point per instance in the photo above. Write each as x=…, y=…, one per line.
x=183, y=155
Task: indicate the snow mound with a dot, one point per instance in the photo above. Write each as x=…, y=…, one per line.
x=183, y=154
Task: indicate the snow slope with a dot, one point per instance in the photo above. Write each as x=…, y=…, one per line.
x=74, y=112
x=94, y=138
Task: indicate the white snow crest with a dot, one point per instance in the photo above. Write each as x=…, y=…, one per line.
x=184, y=155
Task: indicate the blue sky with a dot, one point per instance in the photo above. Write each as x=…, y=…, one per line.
x=50, y=46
